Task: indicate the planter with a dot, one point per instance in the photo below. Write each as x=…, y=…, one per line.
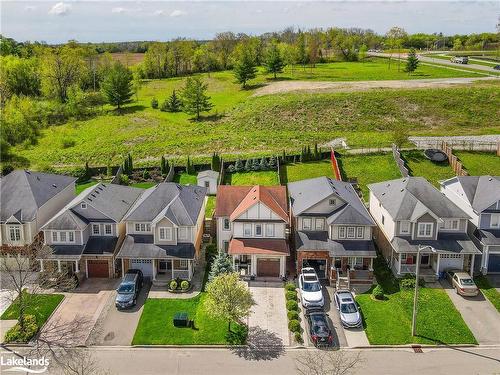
x=180, y=291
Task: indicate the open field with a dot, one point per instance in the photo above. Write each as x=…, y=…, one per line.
x=251, y=178
x=128, y=58
x=253, y=126
x=419, y=165
x=480, y=163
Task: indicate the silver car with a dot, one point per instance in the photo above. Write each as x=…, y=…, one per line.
x=348, y=309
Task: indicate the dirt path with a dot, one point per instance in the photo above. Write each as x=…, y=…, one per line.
x=349, y=86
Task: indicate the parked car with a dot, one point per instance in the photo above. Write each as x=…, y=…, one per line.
x=496, y=67
x=348, y=309
x=319, y=330
x=460, y=59
x=129, y=289
x=311, y=293
x=463, y=283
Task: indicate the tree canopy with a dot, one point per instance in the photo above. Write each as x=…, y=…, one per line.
x=117, y=86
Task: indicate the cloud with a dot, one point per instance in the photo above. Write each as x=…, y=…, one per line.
x=159, y=12
x=178, y=13
x=29, y=8
x=60, y=9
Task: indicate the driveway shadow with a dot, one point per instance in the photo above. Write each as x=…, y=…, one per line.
x=262, y=345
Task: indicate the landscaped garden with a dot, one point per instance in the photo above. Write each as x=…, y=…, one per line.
x=251, y=178
x=479, y=163
x=312, y=169
x=419, y=165
x=488, y=290
x=388, y=320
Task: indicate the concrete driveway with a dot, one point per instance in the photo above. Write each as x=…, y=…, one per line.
x=117, y=327
x=479, y=314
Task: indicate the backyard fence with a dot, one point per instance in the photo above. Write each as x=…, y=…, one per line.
x=222, y=173
x=396, y=153
x=459, y=143
x=278, y=167
x=170, y=175
x=118, y=175
x=455, y=164
x=335, y=166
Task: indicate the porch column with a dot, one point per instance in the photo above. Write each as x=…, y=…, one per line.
x=58, y=266
x=234, y=262
x=153, y=264
x=77, y=266
x=41, y=266
x=399, y=264
x=123, y=268
x=172, y=263
x=189, y=269
x=371, y=263
x=484, y=258
x=472, y=264
x=253, y=265
x=282, y=266
x=437, y=264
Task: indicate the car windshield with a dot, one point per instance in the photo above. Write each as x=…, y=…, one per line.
x=467, y=281
x=348, y=308
x=311, y=287
x=126, y=288
x=320, y=329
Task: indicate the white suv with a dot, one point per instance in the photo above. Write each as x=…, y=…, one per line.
x=311, y=293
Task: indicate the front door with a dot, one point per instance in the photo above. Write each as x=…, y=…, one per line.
x=162, y=266
x=424, y=259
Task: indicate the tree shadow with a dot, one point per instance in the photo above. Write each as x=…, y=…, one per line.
x=214, y=117
x=262, y=345
x=128, y=110
x=253, y=86
x=278, y=79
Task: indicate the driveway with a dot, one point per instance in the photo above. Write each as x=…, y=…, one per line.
x=268, y=321
x=117, y=327
x=479, y=314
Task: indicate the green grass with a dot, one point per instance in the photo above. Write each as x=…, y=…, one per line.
x=388, y=322
x=368, y=169
x=143, y=185
x=479, y=163
x=472, y=60
x=82, y=186
x=156, y=323
x=210, y=207
x=251, y=178
x=41, y=307
x=419, y=165
x=184, y=178
x=489, y=292
x=312, y=169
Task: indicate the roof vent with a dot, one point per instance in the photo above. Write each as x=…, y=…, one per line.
x=38, y=178
x=383, y=193
x=54, y=185
x=27, y=172
x=402, y=190
x=490, y=179
x=93, y=195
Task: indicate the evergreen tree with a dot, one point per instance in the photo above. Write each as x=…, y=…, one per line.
x=255, y=164
x=316, y=153
x=145, y=175
x=87, y=170
x=194, y=97
x=274, y=62
x=272, y=163
x=154, y=103
x=163, y=166
x=117, y=86
x=172, y=104
x=109, y=171
x=238, y=166
x=215, y=165
x=248, y=165
x=221, y=265
x=283, y=158
x=130, y=164
x=244, y=68
x=189, y=166
x=263, y=165
x=411, y=61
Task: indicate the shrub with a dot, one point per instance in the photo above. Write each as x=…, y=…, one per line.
x=67, y=143
x=292, y=315
x=378, y=292
x=154, y=103
x=294, y=326
x=6, y=169
x=292, y=306
x=146, y=175
x=210, y=252
x=15, y=334
x=298, y=337
x=409, y=283
x=290, y=286
x=291, y=295
x=124, y=180
x=173, y=284
x=184, y=285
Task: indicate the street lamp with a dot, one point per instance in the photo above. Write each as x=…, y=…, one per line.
x=415, y=298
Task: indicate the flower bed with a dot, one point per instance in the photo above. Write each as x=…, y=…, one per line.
x=179, y=286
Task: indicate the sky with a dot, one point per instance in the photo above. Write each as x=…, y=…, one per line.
x=107, y=21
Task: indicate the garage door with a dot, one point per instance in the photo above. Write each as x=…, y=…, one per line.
x=319, y=266
x=268, y=267
x=494, y=263
x=450, y=261
x=97, y=268
x=145, y=265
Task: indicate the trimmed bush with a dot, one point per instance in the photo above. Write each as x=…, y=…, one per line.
x=292, y=315
x=290, y=286
x=30, y=329
x=184, y=285
x=298, y=337
x=409, y=283
x=154, y=103
x=173, y=285
x=291, y=295
x=292, y=306
x=294, y=326
x=378, y=293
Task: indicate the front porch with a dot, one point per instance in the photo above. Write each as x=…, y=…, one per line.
x=351, y=270
x=161, y=271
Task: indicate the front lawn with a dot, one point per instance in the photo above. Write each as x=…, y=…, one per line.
x=489, y=292
x=184, y=178
x=480, y=163
x=156, y=324
x=210, y=207
x=41, y=307
x=252, y=178
x=419, y=165
x=312, y=169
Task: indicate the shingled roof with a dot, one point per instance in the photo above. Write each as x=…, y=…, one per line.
x=480, y=191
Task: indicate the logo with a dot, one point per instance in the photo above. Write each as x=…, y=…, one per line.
x=24, y=364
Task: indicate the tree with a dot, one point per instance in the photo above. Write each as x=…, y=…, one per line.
x=238, y=166
x=302, y=57
x=164, y=167
x=411, y=61
x=395, y=37
x=228, y=298
x=172, y=104
x=154, y=103
x=221, y=264
x=274, y=62
x=400, y=135
x=194, y=98
x=328, y=362
x=216, y=161
x=362, y=52
x=117, y=86
x=244, y=68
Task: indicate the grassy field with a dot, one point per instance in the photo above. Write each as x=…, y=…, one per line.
x=41, y=307
x=156, y=323
x=312, y=169
x=472, y=60
x=243, y=125
x=143, y=185
x=419, y=165
x=251, y=178
x=210, y=207
x=82, y=186
x=480, y=163
x=184, y=178
x=489, y=292
x=368, y=169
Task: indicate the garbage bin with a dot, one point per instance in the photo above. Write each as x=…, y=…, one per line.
x=181, y=319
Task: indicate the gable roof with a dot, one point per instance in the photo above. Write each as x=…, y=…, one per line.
x=232, y=201
x=208, y=173
x=480, y=191
x=306, y=194
x=24, y=192
x=179, y=203
x=411, y=197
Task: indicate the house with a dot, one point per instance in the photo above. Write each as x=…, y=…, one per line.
x=479, y=197
x=84, y=236
x=252, y=227
x=164, y=230
x=28, y=201
x=332, y=230
x=410, y=212
x=209, y=180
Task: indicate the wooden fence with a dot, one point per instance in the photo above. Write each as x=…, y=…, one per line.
x=118, y=175
x=455, y=164
x=170, y=175
x=335, y=166
x=399, y=161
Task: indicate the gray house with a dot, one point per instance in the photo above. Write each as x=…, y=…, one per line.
x=410, y=212
x=84, y=236
x=479, y=197
x=332, y=229
x=164, y=230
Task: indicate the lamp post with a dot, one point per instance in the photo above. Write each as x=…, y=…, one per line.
x=415, y=297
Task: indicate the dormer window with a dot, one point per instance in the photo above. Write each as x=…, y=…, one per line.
x=83, y=205
x=96, y=230
x=15, y=233
x=495, y=221
x=333, y=202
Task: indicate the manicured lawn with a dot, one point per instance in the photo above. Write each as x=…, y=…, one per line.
x=185, y=178
x=251, y=178
x=143, y=185
x=480, y=163
x=156, y=323
x=210, y=207
x=419, y=165
x=368, y=169
x=312, y=169
x=489, y=292
x=41, y=307
x=82, y=186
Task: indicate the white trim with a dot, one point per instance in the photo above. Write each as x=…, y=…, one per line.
x=98, y=226
x=425, y=226
x=497, y=217
x=167, y=233
x=309, y=220
x=110, y=229
x=255, y=230
x=406, y=222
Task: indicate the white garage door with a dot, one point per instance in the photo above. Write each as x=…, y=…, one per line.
x=449, y=261
x=145, y=265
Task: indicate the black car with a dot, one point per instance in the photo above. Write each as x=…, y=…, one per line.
x=319, y=329
x=129, y=289
x=496, y=67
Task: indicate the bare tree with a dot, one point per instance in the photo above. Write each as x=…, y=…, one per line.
x=81, y=361
x=337, y=362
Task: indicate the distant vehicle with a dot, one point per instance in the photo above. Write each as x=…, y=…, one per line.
x=348, y=309
x=319, y=330
x=129, y=289
x=496, y=67
x=462, y=283
x=311, y=293
x=460, y=59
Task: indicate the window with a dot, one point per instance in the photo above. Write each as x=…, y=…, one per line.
x=425, y=229
x=207, y=184
x=71, y=236
x=96, y=229
x=452, y=224
x=54, y=236
x=183, y=263
x=355, y=262
x=15, y=233
x=341, y=232
x=404, y=227
x=227, y=224
x=183, y=233
x=107, y=229
x=62, y=236
x=137, y=227
x=350, y=232
x=359, y=232
x=269, y=230
x=495, y=221
x=306, y=224
x=142, y=227
x=225, y=245
x=166, y=234
x=83, y=205
x=247, y=230
x=319, y=224
x=332, y=202
x=258, y=230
